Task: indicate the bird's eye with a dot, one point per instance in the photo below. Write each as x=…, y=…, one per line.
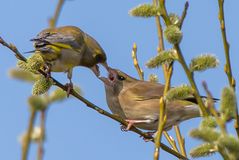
x=121, y=78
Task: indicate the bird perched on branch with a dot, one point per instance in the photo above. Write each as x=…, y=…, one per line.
x=137, y=102
x=66, y=47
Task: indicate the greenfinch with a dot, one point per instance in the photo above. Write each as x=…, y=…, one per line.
x=137, y=102
x=64, y=48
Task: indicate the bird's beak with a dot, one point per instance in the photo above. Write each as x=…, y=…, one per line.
x=110, y=81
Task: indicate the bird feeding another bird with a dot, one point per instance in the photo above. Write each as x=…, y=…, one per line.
x=64, y=48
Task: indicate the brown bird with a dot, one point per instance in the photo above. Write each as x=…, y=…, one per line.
x=66, y=47
x=137, y=102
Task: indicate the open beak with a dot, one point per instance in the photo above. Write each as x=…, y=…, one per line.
x=110, y=80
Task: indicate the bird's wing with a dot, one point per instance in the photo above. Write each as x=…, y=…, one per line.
x=142, y=90
x=69, y=38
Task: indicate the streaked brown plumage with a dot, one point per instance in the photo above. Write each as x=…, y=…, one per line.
x=138, y=102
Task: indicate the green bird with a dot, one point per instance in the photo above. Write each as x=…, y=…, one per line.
x=64, y=48
x=137, y=102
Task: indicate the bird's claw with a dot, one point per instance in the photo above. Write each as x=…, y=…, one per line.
x=47, y=70
x=123, y=128
x=148, y=136
x=69, y=87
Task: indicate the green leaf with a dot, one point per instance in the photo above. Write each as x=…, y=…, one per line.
x=203, y=62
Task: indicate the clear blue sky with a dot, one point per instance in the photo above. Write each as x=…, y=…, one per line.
x=73, y=130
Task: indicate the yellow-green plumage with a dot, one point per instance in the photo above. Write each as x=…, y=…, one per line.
x=66, y=47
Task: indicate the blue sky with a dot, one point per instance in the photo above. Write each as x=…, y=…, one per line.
x=75, y=131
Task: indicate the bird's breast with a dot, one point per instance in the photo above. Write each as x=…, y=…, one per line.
x=68, y=59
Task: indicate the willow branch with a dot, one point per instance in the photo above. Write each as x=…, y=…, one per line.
x=162, y=113
x=40, y=150
x=181, y=140
x=136, y=63
x=171, y=141
x=184, y=14
x=161, y=124
x=53, y=20
x=90, y=104
x=212, y=109
x=27, y=137
x=182, y=61
x=227, y=68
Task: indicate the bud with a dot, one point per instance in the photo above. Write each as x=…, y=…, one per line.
x=180, y=92
x=203, y=150
x=41, y=86
x=163, y=57
x=173, y=34
x=145, y=10
x=203, y=62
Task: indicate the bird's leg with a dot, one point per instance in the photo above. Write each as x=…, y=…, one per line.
x=96, y=70
x=47, y=70
x=132, y=122
x=70, y=84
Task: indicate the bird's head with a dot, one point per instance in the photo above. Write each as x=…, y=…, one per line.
x=117, y=80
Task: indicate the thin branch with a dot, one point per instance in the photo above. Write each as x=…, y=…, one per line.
x=161, y=124
x=184, y=14
x=93, y=106
x=27, y=137
x=227, y=67
x=181, y=140
x=214, y=112
x=40, y=151
x=160, y=37
x=182, y=61
x=53, y=20
x=171, y=141
x=136, y=63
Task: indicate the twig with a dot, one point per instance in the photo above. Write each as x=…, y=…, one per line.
x=171, y=141
x=40, y=150
x=27, y=137
x=162, y=122
x=53, y=20
x=182, y=61
x=184, y=14
x=136, y=63
x=212, y=109
x=167, y=70
x=181, y=140
x=93, y=106
x=227, y=67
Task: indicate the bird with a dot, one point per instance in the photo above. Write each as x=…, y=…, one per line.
x=137, y=102
x=66, y=47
